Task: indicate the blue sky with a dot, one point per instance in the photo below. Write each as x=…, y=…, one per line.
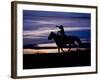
x=37, y=25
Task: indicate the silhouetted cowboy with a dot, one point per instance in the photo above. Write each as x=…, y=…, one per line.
x=61, y=33
x=61, y=30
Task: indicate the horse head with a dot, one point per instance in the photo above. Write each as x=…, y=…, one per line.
x=51, y=35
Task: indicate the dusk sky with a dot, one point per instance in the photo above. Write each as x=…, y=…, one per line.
x=37, y=25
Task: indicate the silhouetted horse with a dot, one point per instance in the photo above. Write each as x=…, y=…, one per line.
x=61, y=42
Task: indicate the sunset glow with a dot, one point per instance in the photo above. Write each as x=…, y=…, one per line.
x=46, y=51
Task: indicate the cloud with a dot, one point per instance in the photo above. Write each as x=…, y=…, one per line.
x=54, y=20
x=38, y=22
x=76, y=28
x=45, y=31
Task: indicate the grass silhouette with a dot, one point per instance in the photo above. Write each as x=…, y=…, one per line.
x=70, y=59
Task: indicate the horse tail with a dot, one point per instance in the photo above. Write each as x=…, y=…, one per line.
x=79, y=41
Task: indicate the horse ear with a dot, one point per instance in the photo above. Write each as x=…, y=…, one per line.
x=51, y=32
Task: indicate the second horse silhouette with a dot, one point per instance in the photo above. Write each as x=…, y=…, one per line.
x=63, y=41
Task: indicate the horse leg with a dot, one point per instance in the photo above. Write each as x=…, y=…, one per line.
x=77, y=47
x=79, y=43
x=58, y=50
x=63, y=50
x=69, y=47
